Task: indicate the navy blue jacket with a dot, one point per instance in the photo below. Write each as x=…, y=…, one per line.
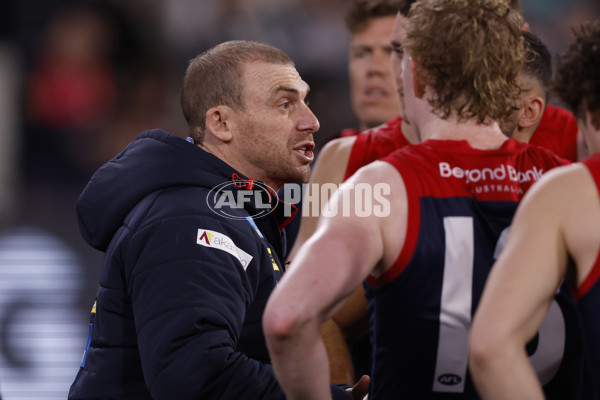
x=183, y=287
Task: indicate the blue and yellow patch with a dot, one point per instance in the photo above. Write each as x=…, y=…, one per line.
x=275, y=266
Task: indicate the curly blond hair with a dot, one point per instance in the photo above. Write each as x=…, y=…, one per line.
x=470, y=52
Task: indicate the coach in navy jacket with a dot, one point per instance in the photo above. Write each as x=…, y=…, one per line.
x=191, y=232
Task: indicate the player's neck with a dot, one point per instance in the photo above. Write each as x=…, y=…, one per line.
x=479, y=136
x=409, y=133
x=523, y=135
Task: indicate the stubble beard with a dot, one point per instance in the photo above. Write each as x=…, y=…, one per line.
x=277, y=168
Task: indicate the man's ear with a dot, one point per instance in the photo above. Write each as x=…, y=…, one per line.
x=219, y=122
x=531, y=113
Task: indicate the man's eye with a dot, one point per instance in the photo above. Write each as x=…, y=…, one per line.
x=361, y=53
x=398, y=50
x=286, y=105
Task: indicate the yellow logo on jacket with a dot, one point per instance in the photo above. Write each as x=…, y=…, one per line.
x=275, y=266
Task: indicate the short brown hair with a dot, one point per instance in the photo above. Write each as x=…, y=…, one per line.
x=215, y=77
x=474, y=66
x=361, y=11
x=577, y=77
x=538, y=60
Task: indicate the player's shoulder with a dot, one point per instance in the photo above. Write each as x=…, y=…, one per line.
x=411, y=151
x=338, y=145
x=553, y=111
x=391, y=127
x=335, y=153
x=557, y=116
x=376, y=172
x=536, y=154
x=561, y=181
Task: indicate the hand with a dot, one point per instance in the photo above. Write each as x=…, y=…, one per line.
x=360, y=390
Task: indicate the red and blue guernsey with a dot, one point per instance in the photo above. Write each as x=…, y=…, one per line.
x=588, y=293
x=374, y=144
x=461, y=202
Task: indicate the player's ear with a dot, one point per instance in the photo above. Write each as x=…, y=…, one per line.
x=219, y=122
x=531, y=111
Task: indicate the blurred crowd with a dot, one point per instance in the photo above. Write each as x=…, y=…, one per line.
x=79, y=80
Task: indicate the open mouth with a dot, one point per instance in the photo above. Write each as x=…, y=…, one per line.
x=375, y=92
x=306, y=151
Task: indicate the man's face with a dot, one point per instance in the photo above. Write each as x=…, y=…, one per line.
x=274, y=134
x=397, y=38
x=372, y=89
x=408, y=89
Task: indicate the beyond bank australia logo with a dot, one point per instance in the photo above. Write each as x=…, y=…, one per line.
x=227, y=199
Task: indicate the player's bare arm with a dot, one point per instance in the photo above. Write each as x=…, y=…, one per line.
x=525, y=278
x=328, y=269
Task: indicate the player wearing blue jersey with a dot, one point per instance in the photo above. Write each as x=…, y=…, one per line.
x=555, y=237
x=452, y=198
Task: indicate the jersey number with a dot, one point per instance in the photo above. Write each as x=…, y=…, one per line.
x=455, y=314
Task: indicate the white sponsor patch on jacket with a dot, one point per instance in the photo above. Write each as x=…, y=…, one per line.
x=219, y=241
